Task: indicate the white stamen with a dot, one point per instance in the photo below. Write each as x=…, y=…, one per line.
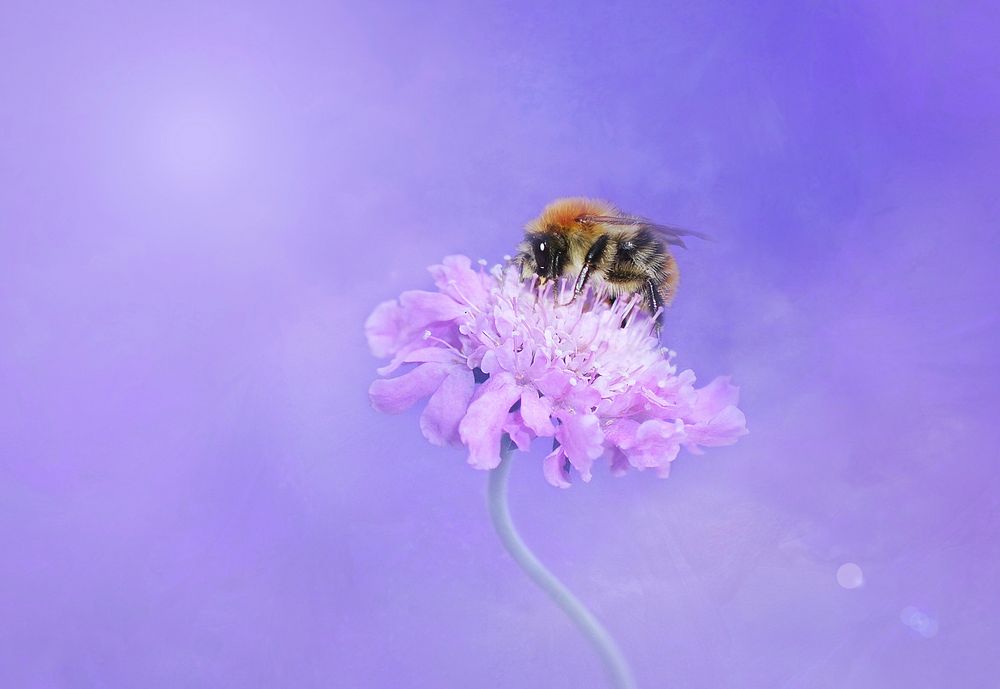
x=448, y=345
x=454, y=284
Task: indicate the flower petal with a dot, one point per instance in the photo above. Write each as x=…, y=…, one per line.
x=489, y=362
x=429, y=307
x=656, y=444
x=505, y=356
x=553, y=383
x=385, y=329
x=447, y=406
x=407, y=349
x=482, y=426
x=520, y=434
x=619, y=462
x=713, y=398
x=621, y=432
x=441, y=355
x=554, y=469
x=456, y=277
x=536, y=412
x=396, y=395
x=722, y=429
x=581, y=438
x=581, y=396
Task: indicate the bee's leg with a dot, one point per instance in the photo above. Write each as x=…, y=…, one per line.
x=654, y=302
x=594, y=255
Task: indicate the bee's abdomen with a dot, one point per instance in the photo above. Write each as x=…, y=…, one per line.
x=641, y=258
x=640, y=253
x=670, y=279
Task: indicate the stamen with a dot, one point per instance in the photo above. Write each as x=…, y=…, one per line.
x=448, y=345
x=454, y=285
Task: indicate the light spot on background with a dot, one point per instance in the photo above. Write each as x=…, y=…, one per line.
x=195, y=143
x=850, y=576
x=919, y=621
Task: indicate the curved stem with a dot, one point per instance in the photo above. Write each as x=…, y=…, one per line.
x=613, y=659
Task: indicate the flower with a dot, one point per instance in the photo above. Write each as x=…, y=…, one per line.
x=494, y=355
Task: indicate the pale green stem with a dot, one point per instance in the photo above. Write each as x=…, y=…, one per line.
x=614, y=662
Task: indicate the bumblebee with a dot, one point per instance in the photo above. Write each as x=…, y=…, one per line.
x=591, y=241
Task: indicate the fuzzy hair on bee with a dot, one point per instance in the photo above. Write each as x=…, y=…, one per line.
x=594, y=243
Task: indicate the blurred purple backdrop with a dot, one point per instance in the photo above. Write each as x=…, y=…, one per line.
x=201, y=202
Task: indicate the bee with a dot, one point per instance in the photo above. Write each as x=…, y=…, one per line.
x=594, y=242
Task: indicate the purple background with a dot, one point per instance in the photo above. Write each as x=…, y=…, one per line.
x=201, y=202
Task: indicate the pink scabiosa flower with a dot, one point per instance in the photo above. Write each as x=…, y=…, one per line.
x=495, y=355
x=503, y=361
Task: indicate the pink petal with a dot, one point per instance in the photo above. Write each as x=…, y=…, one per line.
x=723, y=429
x=439, y=354
x=582, y=397
x=429, y=307
x=505, y=356
x=385, y=329
x=488, y=363
x=406, y=351
x=447, y=406
x=456, y=277
x=483, y=424
x=619, y=462
x=621, y=432
x=553, y=383
x=539, y=364
x=395, y=395
x=518, y=432
x=523, y=356
x=621, y=405
x=397, y=360
x=676, y=396
x=554, y=469
x=581, y=439
x=713, y=398
x=536, y=412
x=655, y=445
x=503, y=320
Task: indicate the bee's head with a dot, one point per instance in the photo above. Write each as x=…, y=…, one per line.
x=546, y=253
x=547, y=238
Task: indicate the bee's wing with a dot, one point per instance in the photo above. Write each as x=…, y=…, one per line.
x=671, y=235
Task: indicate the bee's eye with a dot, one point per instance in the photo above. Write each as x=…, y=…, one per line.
x=541, y=249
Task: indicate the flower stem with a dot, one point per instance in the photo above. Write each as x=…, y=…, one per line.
x=614, y=661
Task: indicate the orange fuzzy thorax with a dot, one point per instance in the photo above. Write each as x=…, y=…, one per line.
x=563, y=214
